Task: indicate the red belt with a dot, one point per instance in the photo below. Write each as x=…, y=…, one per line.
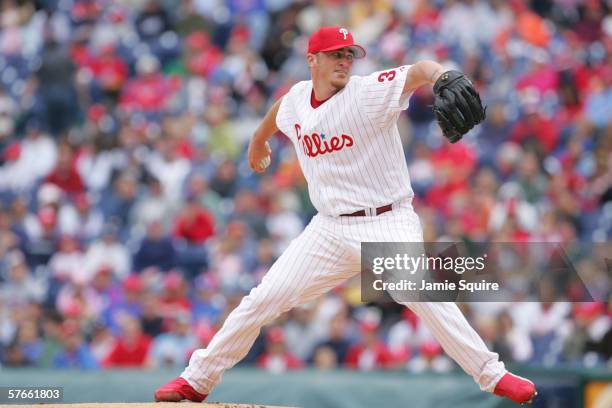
x=363, y=213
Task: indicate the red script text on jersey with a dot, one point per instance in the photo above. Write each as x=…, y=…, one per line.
x=316, y=144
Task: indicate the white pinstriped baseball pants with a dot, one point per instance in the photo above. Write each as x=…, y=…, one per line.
x=326, y=254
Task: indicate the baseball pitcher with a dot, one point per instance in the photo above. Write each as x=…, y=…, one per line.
x=344, y=129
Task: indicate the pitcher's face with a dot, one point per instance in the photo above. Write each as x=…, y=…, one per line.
x=333, y=67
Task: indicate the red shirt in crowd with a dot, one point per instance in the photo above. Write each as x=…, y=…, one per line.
x=68, y=180
x=362, y=357
x=195, y=227
x=128, y=355
x=110, y=70
x=148, y=93
x=536, y=127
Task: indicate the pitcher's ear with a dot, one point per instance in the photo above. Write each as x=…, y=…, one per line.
x=312, y=59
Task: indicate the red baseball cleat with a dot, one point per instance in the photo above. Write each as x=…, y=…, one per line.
x=515, y=388
x=178, y=390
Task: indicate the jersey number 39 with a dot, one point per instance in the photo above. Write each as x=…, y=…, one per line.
x=386, y=76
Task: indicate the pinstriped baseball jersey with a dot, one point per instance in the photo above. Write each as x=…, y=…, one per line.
x=349, y=148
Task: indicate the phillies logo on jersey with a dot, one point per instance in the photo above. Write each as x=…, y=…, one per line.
x=316, y=144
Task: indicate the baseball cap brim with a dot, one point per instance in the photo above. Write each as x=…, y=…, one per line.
x=358, y=50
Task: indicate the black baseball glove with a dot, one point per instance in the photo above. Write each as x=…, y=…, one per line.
x=457, y=105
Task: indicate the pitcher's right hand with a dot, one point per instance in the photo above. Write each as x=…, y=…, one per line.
x=259, y=156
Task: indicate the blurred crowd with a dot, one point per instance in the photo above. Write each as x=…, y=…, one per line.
x=131, y=225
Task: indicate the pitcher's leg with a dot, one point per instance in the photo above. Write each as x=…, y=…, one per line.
x=307, y=269
x=444, y=319
x=461, y=342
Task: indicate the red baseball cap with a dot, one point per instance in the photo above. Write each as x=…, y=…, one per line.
x=334, y=38
x=276, y=335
